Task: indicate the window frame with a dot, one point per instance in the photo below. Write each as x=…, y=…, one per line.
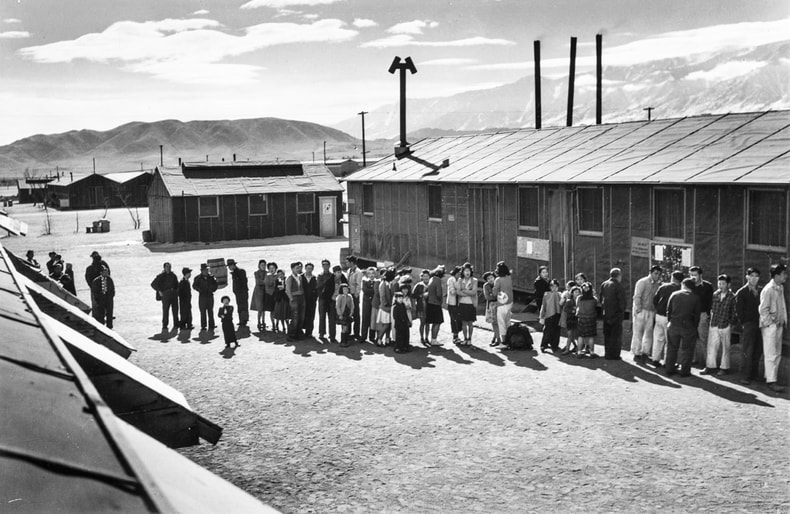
x=216, y=204
x=656, y=236
x=537, y=202
x=747, y=219
x=265, y=198
x=428, y=202
x=312, y=203
x=365, y=210
x=581, y=231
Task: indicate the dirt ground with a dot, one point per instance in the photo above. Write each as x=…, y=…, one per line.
x=318, y=428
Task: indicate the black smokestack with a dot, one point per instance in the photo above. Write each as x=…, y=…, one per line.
x=536, y=51
x=598, y=77
x=571, y=79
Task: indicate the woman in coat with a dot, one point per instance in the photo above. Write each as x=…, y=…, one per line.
x=466, y=291
x=259, y=293
x=433, y=304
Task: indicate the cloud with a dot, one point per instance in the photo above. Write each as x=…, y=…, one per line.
x=279, y=4
x=448, y=62
x=12, y=20
x=726, y=71
x=200, y=12
x=669, y=45
x=15, y=34
x=412, y=27
x=407, y=40
x=184, y=50
x=363, y=23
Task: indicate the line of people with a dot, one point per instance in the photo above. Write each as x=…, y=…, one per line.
x=682, y=322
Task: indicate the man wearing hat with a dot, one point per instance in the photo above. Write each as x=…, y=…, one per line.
x=242, y=292
x=93, y=271
x=205, y=284
x=166, y=286
x=185, y=299
x=644, y=314
x=103, y=294
x=355, y=288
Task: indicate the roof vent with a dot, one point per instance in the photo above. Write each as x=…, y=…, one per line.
x=446, y=163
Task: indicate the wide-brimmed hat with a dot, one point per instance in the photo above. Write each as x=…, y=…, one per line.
x=231, y=262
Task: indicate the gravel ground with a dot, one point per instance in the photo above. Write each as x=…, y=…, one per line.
x=310, y=427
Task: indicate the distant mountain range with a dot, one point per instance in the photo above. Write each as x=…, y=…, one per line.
x=740, y=80
x=127, y=146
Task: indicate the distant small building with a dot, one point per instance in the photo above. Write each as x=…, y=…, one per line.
x=96, y=190
x=31, y=190
x=243, y=200
x=343, y=167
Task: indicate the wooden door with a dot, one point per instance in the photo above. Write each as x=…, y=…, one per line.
x=484, y=237
x=328, y=216
x=560, y=231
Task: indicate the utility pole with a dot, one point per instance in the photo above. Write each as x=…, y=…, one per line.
x=324, y=153
x=571, y=80
x=649, y=113
x=364, y=158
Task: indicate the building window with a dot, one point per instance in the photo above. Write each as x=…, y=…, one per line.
x=305, y=203
x=767, y=218
x=259, y=206
x=435, y=203
x=590, y=207
x=528, y=208
x=367, y=198
x=669, y=214
x=208, y=207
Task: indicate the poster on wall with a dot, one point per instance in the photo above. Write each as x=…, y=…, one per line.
x=671, y=257
x=532, y=248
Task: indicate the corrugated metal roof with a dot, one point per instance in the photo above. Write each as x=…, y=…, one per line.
x=316, y=179
x=740, y=148
x=123, y=177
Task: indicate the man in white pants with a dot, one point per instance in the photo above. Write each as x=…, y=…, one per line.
x=773, y=319
x=644, y=314
x=722, y=318
x=660, y=301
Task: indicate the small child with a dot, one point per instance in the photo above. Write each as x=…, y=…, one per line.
x=550, y=317
x=571, y=320
x=402, y=321
x=344, y=305
x=282, y=308
x=587, y=320
x=225, y=315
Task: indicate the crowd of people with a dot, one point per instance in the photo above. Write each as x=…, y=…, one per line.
x=675, y=324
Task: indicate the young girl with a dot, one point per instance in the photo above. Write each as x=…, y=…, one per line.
x=402, y=321
x=418, y=295
x=225, y=315
x=550, y=317
x=269, y=287
x=282, y=308
x=344, y=306
x=571, y=320
x=385, y=308
x=258, y=294
x=587, y=320
x=488, y=294
x=466, y=289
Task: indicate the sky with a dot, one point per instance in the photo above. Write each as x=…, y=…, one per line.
x=96, y=64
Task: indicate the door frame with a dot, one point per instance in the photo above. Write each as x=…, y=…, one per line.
x=321, y=216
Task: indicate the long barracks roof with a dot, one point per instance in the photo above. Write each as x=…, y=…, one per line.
x=314, y=178
x=744, y=148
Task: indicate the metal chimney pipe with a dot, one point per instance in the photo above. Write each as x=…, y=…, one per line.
x=598, y=77
x=234, y=157
x=571, y=79
x=536, y=51
x=161, y=156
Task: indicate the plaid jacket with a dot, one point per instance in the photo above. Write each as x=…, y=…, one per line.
x=722, y=312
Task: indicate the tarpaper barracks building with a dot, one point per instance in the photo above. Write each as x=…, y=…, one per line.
x=243, y=200
x=710, y=190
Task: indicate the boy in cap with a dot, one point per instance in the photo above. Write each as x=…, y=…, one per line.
x=185, y=299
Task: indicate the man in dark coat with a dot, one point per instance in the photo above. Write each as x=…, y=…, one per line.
x=541, y=285
x=613, y=301
x=166, y=286
x=310, y=286
x=295, y=291
x=205, y=284
x=94, y=270
x=683, y=312
x=185, y=299
x=103, y=294
x=327, y=297
x=325, y=305
x=747, y=308
x=241, y=290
